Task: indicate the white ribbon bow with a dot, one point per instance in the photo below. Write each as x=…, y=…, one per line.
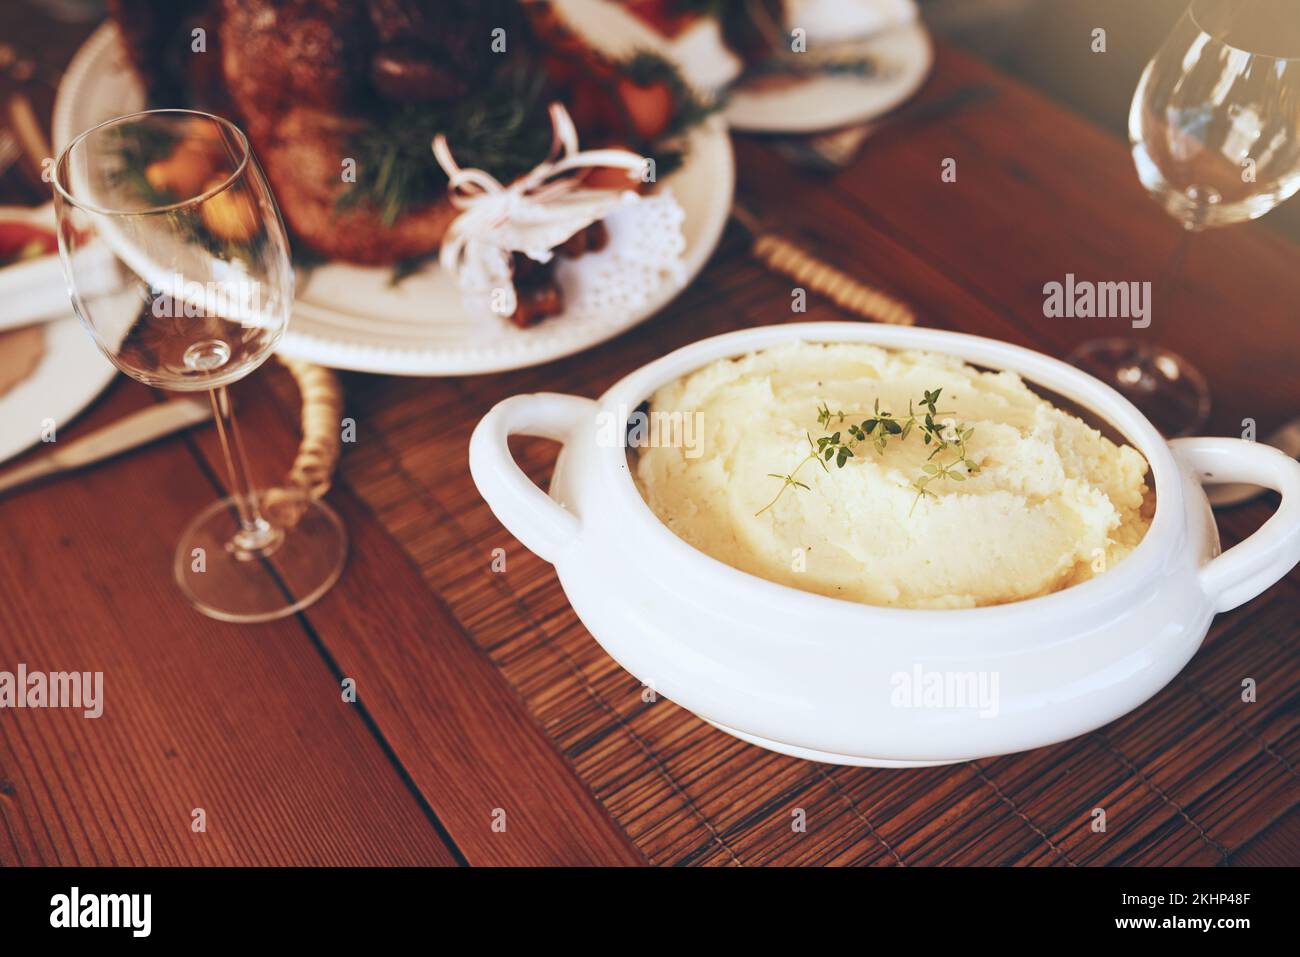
x=533, y=215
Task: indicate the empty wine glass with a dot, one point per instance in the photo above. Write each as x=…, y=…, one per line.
x=1215, y=128
x=178, y=264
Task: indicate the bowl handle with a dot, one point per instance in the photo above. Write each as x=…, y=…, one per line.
x=1246, y=569
x=545, y=526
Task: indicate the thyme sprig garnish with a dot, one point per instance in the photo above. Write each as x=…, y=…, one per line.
x=878, y=428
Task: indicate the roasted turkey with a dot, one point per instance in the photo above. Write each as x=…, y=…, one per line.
x=312, y=82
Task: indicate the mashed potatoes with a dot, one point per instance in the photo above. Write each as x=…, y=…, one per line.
x=1053, y=503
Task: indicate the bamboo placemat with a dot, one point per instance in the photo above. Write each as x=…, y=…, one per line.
x=1189, y=778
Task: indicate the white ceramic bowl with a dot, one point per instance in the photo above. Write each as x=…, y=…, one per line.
x=823, y=678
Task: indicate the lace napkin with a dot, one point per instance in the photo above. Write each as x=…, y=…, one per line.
x=548, y=205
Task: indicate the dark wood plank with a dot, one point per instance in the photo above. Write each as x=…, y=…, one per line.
x=461, y=734
x=476, y=683
x=478, y=750
x=245, y=722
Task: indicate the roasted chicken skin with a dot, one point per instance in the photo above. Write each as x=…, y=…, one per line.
x=297, y=74
x=300, y=76
x=336, y=95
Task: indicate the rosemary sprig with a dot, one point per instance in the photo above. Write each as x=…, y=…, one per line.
x=502, y=127
x=879, y=427
x=689, y=108
x=137, y=146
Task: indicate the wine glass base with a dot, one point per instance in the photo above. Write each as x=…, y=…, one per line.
x=230, y=584
x=1165, y=387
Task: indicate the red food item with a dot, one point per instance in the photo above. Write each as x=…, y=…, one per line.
x=612, y=177
x=596, y=109
x=537, y=303
x=649, y=107
x=590, y=240
x=538, y=294
x=663, y=15
x=597, y=236
x=409, y=74
x=22, y=241
x=527, y=271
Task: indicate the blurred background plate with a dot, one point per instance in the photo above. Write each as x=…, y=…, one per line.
x=805, y=105
x=828, y=101
x=355, y=317
x=71, y=371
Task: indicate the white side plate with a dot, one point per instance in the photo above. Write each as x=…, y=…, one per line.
x=811, y=105
x=70, y=375
x=826, y=102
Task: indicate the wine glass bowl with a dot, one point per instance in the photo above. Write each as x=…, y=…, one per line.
x=1215, y=128
x=178, y=264
x=182, y=274
x=1215, y=132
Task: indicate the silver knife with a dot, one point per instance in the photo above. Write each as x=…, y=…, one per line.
x=133, y=430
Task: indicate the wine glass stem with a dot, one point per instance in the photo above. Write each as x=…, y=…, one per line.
x=1174, y=271
x=255, y=533
x=1178, y=261
x=1138, y=374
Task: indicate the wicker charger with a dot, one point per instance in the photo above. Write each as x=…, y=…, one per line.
x=318, y=452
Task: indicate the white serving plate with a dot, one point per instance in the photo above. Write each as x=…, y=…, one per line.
x=812, y=676
x=70, y=374
x=827, y=102
x=352, y=317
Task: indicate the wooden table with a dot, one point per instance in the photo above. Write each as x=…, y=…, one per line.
x=481, y=697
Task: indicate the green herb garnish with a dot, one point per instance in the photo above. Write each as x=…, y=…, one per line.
x=878, y=428
x=137, y=145
x=502, y=127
